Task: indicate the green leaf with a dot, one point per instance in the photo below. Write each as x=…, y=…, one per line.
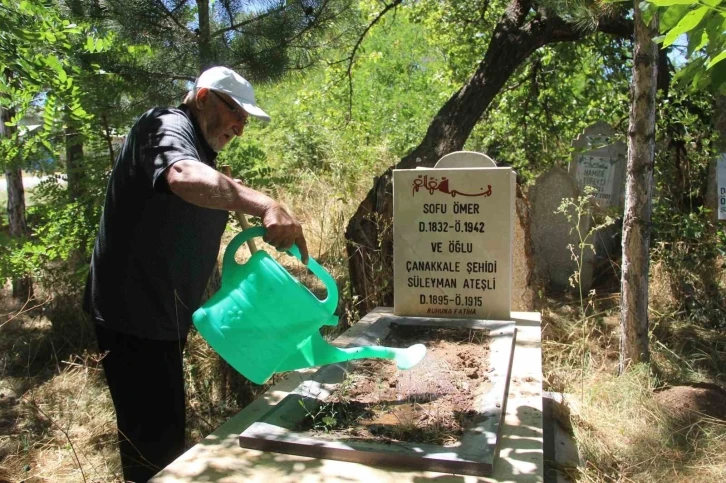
x=668, y=3
x=716, y=59
x=672, y=16
x=696, y=41
x=686, y=24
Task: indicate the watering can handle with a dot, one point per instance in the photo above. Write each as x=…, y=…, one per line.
x=330, y=301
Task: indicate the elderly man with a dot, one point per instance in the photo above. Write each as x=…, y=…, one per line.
x=165, y=211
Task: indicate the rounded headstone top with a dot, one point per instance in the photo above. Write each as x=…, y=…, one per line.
x=466, y=159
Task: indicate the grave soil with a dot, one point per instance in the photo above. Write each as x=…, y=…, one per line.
x=431, y=403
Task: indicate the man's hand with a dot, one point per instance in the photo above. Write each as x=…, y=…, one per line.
x=283, y=230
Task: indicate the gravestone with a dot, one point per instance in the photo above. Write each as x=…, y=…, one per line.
x=599, y=161
x=452, y=239
x=552, y=233
x=720, y=207
x=523, y=280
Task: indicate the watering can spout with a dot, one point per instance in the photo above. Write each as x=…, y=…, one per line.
x=315, y=351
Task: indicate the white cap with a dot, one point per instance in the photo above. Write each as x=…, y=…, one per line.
x=223, y=79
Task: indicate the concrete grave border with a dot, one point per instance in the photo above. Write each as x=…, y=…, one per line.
x=219, y=458
x=479, y=445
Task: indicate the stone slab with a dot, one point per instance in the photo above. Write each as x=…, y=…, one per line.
x=560, y=447
x=220, y=459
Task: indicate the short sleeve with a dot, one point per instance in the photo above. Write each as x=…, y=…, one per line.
x=166, y=136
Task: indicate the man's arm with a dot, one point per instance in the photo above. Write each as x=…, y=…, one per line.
x=202, y=185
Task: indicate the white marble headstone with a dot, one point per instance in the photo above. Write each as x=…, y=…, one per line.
x=452, y=236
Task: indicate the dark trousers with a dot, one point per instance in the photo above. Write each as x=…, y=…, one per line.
x=147, y=387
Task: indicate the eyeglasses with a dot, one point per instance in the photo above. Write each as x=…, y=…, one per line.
x=238, y=115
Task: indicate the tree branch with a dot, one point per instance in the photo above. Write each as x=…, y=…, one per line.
x=247, y=22
x=171, y=17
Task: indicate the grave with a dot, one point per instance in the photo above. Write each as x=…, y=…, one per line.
x=473, y=453
x=291, y=432
x=452, y=239
x=551, y=233
x=599, y=161
x=452, y=230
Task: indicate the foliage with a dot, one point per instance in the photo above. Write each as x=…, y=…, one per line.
x=585, y=219
x=246, y=159
x=551, y=99
x=35, y=47
x=262, y=39
x=63, y=228
x=685, y=239
x=462, y=29
x=703, y=22
x=396, y=90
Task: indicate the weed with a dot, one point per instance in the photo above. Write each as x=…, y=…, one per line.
x=323, y=417
x=585, y=220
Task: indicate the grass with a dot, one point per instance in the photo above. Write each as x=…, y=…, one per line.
x=622, y=433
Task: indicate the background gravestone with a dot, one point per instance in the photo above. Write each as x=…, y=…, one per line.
x=716, y=191
x=713, y=189
x=551, y=232
x=599, y=161
x=523, y=279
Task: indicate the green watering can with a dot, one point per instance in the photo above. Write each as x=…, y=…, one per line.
x=263, y=320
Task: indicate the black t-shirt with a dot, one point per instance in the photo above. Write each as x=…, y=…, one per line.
x=154, y=252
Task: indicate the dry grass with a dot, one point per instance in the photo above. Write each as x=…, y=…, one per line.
x=623, y=435
x=58, y=426
x=621, y=431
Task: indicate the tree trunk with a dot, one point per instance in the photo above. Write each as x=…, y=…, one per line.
x=205, y=36
x=517, y=35
x=74, y=158
x=719, y=121
x=639, y=181
x=17, y=224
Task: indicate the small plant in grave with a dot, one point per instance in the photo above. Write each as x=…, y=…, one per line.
x=579, y=211
x=323, y=417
